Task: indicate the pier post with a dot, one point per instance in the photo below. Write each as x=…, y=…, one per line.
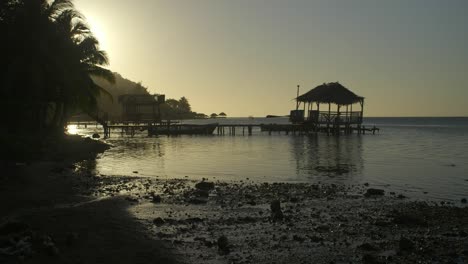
x=250, y=130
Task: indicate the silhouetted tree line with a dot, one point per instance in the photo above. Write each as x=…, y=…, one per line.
x=179, y=109
x=48, y=55
x=173, y=109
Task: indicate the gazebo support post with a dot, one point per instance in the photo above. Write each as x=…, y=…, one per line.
x=347, y=121
x=338, y=121
x=304, y=115
x=329, y=118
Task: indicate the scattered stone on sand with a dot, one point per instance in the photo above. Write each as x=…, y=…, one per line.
x=374, y=192
x=204, y=185
x=401, y=196
x=276, y=213
x=463, y=200
x=223, y=245
x=136, y=172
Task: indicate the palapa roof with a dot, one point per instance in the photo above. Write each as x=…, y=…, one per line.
x=139, y=99
x=332, y=92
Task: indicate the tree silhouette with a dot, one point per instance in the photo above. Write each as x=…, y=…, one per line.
x=49, y=55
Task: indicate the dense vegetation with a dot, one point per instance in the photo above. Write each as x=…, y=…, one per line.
x=48, y=57
x=172, y=109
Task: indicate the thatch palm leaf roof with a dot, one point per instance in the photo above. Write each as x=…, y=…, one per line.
x=330, y=93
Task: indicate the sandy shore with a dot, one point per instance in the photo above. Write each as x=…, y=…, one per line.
x=59, y=212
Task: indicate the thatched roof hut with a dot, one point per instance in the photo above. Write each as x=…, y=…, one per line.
x=333, y=93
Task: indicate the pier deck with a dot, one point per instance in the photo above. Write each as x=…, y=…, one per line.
x=241, y=129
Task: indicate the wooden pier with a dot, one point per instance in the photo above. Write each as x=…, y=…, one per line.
x=235, y=129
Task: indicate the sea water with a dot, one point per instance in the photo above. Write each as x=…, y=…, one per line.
x=423, y=158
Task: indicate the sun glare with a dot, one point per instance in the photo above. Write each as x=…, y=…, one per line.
x=99, y=33
x=72, y=129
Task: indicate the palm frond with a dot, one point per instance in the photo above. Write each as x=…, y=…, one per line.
x=104, y=73
x=98, y=57
x=79, y=28
x=58, y=6
x=103, y=91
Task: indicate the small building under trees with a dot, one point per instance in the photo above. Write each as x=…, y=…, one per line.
x=141, y=107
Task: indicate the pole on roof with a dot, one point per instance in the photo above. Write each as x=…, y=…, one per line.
x=297, y=100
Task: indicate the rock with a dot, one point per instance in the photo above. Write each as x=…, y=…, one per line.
x=463, y=200
x=298, y=238
x=374, y=192
x=158, y=221
x=369, y=259
x=131, y=199
x=136, y=172
x=407, y=219
x=201, y=193
x=95, y=135
x=401, y=196
x=155, y=198
x=204, y=185
x=382, y=223
x=13, y=228
x=197, y=200
x=276, y=213
x=405, y=244
x=71, y=238
x=367, y=247
x=49, y=246
x=223, y=245
x=293, y=199
x=315, y=239
x=322, y=228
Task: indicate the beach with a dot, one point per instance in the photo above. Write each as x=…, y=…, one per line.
x=63, y=212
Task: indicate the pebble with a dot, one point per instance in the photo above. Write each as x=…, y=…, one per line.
x=223, y=245
x=374, y=192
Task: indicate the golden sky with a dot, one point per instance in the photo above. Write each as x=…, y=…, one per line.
x=245, y=57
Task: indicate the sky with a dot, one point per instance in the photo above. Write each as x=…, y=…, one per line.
x=246, y=57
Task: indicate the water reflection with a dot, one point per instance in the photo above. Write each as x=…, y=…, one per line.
x=319, y=156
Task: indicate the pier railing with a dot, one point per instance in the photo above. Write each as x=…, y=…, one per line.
x=325, y=117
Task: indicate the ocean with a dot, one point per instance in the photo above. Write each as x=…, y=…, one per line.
x=422, y=157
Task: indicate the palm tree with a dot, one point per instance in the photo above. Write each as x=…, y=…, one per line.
x=85, y=59
x=48, y=57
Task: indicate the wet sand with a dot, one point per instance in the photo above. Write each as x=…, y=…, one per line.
x=60, y=212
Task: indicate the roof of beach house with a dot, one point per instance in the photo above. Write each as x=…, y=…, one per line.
x=332, y=92
x=140, y=98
